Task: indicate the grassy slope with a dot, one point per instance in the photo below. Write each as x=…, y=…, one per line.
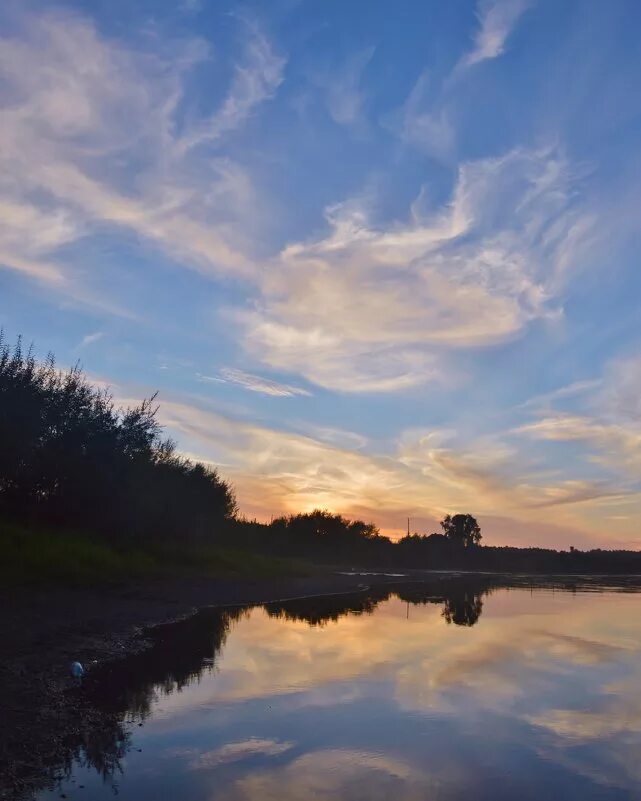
x=36, y=556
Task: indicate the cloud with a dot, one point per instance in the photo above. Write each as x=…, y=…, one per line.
x=257, y=383
x=620, y=397
x=601, y=431
x=426, y=124
x=99, y=133
x=574, y=491
x=518, y=661
x=27, y=233
x=572, y=390
x=349, y=440
x=331, y=773
x=616, y=444
x=235, y=752
x=89, y=339
x=421, y=474
x=372, y=308
x=497, y=19
x=608, y=420
x=255, y=80
x=499, y=663
x=345, y=97
x=585, y=725
x=424, y=476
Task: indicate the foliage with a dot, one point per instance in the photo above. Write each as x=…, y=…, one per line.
x=71, y=458
x=320, y=535
x=41, y=556
x=462, y=529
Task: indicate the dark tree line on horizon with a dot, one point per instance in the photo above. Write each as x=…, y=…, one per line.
x=71, y=459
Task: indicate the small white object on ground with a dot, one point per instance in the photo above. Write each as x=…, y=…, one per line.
x=77, y=670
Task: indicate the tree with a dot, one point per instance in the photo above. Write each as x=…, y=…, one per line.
x=461, y=529
x=69, y=457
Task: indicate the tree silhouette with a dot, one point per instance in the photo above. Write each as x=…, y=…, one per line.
x=461, y=529
x=71, y=457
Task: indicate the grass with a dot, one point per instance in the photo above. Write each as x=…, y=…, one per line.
x=34, y=556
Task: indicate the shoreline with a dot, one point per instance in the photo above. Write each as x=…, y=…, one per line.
x=42, y=631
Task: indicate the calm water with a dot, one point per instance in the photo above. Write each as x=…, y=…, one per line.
x=453, y=690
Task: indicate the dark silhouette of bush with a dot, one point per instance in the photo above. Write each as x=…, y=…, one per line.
x=70, y=457
x=326, y=534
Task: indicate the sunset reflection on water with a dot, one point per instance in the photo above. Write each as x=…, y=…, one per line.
x=490, y=691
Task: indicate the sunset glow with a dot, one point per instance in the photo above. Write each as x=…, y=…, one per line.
x=383, y=264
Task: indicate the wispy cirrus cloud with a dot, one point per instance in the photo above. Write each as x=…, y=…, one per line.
x=617, y=444
x=424, y=475
x=343, y=88
x=89, y=339
x=569, y=391
x=256, y=79
x=497, y=19
x=256, y=383
x=425, y=122
x=372, y=308
x=608, y=423
x=95, y=134
x=619, y=399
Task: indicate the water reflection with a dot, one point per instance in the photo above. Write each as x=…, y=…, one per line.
x=460, y=598
x=463, y=609
x=341, y=697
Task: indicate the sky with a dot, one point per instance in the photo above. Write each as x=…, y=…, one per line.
x=375, y=257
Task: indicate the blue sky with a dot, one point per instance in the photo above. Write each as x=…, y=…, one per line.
x=376, y=257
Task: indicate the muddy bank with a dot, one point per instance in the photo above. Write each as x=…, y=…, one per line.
x=44, y=715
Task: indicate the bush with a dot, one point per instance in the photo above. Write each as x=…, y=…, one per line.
x=71, y=458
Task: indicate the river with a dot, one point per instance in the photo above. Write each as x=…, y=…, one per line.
x=465, y=688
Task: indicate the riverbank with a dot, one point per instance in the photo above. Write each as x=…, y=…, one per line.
x=43, y=630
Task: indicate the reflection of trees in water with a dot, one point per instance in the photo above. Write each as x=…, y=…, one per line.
x=123, y=691
x=463, y=609
x=180, y=654
x=104, y=747
x=323, y=609
x=461, y=598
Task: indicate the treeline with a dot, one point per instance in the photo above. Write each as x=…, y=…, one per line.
x=317, y=535
x=439, y=553
x=70, y=457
